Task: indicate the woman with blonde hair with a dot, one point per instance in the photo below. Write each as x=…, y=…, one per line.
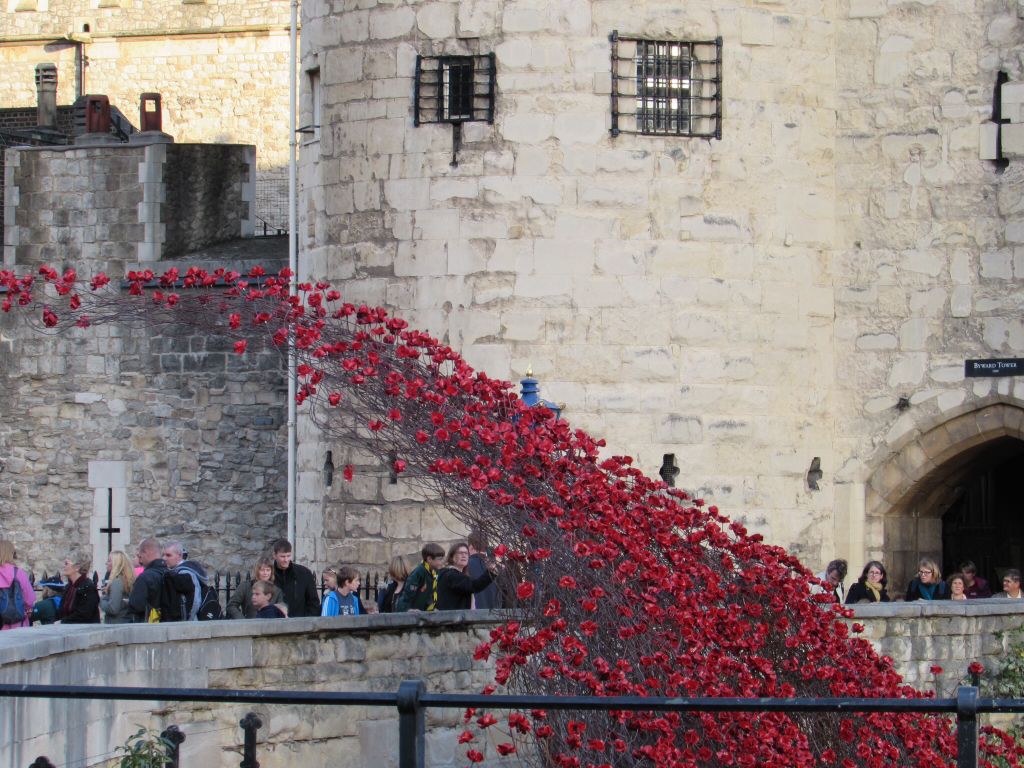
x=12, y=576
x=398, y=572
x=114, y=593
x=928, y=584
x=240, y=605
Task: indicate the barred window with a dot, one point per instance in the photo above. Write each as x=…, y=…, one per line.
x=454, y=89
x=666, y=87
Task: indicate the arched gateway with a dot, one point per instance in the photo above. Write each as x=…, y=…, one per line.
x=952, y=492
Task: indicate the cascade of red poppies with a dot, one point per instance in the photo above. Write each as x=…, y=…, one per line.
x=625, y=586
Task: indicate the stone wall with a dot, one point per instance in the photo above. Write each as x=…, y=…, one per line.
x=168, y=430
x=747, y=305
x=372, y=653
x=122, y=202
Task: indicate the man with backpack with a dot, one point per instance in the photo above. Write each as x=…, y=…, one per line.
x=144, y=601
x=187, y=593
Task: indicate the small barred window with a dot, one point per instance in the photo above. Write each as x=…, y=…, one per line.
x=666, y=87
x=454, y=89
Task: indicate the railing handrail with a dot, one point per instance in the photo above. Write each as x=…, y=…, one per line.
x=501, y=701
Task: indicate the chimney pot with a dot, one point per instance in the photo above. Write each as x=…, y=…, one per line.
x=46, y=92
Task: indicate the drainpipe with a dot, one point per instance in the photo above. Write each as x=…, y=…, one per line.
x=293, y=264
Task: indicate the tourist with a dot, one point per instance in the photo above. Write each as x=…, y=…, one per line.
x=398, y=572
x=420, y=591
x=47, y=609
x=144, y=600
x=295, y=581
x=870, y=587
x=957, y=586
x=240, y=605
x=1011, y=585
x=262, y=594
x=10, y=575
x=114, y=592
x=834, y=575
x=343, y=599
x=81, y=603
x=928, y=584
x=974, y=585
x=454, y=587
x=194, y=584
x=488, y=597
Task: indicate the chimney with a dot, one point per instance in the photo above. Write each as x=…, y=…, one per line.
x=46, y=90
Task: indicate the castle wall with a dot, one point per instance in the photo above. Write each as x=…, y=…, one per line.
x=220, y=67
x=747, y=304
x=161, y=431
x=372, y=653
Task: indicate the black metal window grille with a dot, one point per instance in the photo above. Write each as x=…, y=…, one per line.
x=666, y=87
x=454, y=89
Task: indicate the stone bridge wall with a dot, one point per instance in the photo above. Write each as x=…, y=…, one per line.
x=371, y=653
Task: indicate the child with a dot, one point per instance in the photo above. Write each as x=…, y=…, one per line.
x=46, y=609
x=343, y=599
x=262, y=594
x=420, y=591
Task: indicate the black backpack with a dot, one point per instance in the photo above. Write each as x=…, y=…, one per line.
x=209, y=608
x=12, y=603
x=176, y=591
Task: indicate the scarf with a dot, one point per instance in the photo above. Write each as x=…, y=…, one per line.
x=875, y=591
x=433, y=576
x=927, y=590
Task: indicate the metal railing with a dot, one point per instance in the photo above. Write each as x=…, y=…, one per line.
x=411, y=700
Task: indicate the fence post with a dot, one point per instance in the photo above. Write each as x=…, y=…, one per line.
x=411, y=725
x=967, y=727
x=250, y=724
x=173, y=735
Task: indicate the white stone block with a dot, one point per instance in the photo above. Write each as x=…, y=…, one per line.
x=997, y=264
x=988, y=141
x=580, y=127
x=421, y=259
x=391, y=23
x=914, y=334
x=478, y=18
x=960, y=301
x=757, y=27
x=514, y=54
x=952, y=399
x=876, y=341
x=345, y=65
x=108, y=474
x=447, y=189
x=527, y=128
x=436, y=224
x=466, y=257
x=437, y=20
x=1012, y=136
x=679, y=430
x=407, y=194
x=864, y=9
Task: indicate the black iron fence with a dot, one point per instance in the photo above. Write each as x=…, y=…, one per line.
x=412, y=700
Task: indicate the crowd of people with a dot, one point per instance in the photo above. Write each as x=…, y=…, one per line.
x=928, y=584
x=161, y=584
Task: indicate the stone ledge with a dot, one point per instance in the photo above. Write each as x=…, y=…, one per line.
x=938, y=609
x=30, y=643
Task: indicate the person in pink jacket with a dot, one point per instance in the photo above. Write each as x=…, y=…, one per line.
x=8, y=573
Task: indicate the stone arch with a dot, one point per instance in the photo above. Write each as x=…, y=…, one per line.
x=909, y=492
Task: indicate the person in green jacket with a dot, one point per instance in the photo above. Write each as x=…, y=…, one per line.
x=420, y=590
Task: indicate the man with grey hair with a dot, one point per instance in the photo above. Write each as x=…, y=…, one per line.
x=190, y=582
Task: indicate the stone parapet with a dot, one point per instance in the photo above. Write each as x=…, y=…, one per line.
x=370, y=653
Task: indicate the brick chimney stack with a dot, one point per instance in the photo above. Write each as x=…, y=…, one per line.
x=46, y=90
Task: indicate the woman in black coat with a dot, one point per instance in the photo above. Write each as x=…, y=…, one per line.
x=454, y=588
x=81, y=602
x=928, y=584
x=870, y=587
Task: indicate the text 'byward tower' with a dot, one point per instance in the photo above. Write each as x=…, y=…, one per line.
x=755, y=241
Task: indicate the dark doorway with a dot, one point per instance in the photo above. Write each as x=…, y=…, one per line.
x=984, y=521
